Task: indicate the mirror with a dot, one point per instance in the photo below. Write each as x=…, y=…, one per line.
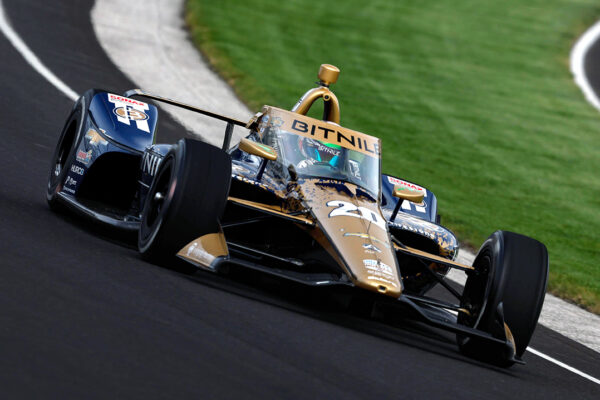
x=415, y=196
x=258, y=149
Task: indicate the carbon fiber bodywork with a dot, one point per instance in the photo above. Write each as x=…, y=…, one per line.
x=116, y=160
x=311, y=230
x=114, y=157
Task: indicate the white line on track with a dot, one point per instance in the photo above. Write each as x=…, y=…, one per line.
x=460, y=278
x=565, y=366
x=31, y=58
x=567, y=319
x=578, y=63
x=36, y=64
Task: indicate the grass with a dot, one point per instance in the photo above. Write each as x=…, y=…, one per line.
x=472, y=99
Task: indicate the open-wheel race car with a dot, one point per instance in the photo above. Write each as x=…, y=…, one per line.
x=300, y=198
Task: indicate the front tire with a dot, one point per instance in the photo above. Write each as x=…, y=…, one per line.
x=64, y=153
x=186, y=199
x=511, y=270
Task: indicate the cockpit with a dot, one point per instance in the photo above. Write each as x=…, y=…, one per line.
x=318, y=149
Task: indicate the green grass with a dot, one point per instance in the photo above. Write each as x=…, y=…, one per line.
x=472, y=99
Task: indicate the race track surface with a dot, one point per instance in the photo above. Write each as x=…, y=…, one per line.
x=82, y=316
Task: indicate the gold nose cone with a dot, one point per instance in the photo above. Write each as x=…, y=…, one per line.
x=328, y=74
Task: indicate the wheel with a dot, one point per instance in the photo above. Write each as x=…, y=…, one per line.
x=186, y=199
x=510, y=278
x=64, y=153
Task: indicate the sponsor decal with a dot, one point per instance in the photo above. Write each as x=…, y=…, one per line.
x=78, y=170
x=95, y=139
x=376, y=266
x=70, y=181
x=322, y=148
x=126, y=100
x=130, y=113
x=344, y=138
x=408, y=185
x=417, y=229
x=365, y=236
x=84, y=157
x=414, y=224
x=128, y=110
x=343, y=208
x=370, y=248
x=321, y=130
x=150, y=163
x=192, y=249
x=68, y=190
x=197, y=252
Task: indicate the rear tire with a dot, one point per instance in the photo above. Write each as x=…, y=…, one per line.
x=186, y=199
x=511, y=269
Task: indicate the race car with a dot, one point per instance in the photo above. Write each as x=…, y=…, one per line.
x=300, y=198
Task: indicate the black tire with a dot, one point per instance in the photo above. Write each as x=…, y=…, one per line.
x=511, y=269
x=64, y=153
x=193, y=181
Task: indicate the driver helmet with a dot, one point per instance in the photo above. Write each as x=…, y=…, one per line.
x=320, y=151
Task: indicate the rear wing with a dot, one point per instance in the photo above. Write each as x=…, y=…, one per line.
x=230, y=121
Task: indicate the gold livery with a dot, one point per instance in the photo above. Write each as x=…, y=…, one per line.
x=304, y=199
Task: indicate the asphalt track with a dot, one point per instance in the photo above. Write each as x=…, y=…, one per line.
x=81, y=316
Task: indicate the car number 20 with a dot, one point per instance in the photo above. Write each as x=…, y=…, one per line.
x=350, y=210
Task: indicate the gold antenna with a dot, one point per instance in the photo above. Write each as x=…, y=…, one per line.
x=328, y=75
